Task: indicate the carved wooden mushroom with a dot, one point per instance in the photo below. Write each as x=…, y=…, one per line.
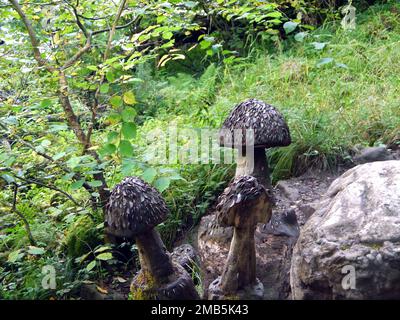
x=269, y=128
x=243, y=204
x=133, y=211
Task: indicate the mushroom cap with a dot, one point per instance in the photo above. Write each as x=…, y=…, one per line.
x=134, y=207
x=240, y=192
x=269, y=126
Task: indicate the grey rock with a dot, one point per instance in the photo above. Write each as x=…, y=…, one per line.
x=289, y=192
x=308, y=209
x=357, y=224
x=284, y=224
x=186, y=256
x=373, y=154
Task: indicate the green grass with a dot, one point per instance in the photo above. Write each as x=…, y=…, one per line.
x=354, y=99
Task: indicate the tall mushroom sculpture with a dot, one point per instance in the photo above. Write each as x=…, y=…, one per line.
x=243, y=204
x=269, y=130
x=133, y=211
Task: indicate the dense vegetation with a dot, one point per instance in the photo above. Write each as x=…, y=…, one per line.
x=84, y=83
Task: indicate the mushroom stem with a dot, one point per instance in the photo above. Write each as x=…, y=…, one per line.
x=254, y=164
x=240, y=268
x=153, y=255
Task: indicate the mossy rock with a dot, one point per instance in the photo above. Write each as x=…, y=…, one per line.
x=142, y=287
x=81, y=237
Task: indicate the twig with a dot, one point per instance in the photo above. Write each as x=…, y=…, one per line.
x=22, y=217
x=76, y=176
x=113, y=28
x=48, y=187
x=105, y=56
x=34, y=41
x=116, y=28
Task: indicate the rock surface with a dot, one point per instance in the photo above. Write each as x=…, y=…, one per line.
x=288, y=191
x=186, y=256
x=372, y=154
x=356, y=227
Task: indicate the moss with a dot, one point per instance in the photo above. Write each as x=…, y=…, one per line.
x=375, y=246
x=231, y=297
x=81, y=237
x=143, y=287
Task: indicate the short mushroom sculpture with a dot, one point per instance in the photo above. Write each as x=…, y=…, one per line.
x=243, y=204
x=269, y=130
x=133, y=211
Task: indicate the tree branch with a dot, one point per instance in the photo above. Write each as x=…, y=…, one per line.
x=77, y=176
x=48, y=187
x=79, y=54
x=96, y=32
x=63, y=93
x=105, y=56
x=113, y=28
x=34, y=41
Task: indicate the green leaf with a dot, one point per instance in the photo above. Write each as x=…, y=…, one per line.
x=128, y=114
x=127, y=167
x=59, y=155
x=274, y=14
x=104, y=88
x=129, y=130
x=300, y=36
x=205, y=44
x=342, y=65
x=68, y=176
x=91, y=265
x=289, y=26
x=77, y=184
x=108, y=149
x=15, y=256
x=149, y=174
x=324, y=61
x=95, y=183
x=319, y=45
x=57, y=127
x=35, y=250
x=116, y=101
x=125, y=148
x=162, y=183
x=102, y=249
x=110, y=76
x=8, y=178
x=129, y=98
x=167, y=35
x=45, y=103
x=112, y=137
x=104, y=256
x=45, y=143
